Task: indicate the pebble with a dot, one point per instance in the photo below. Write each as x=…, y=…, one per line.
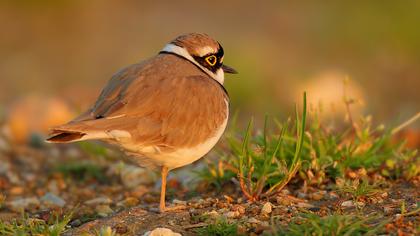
x=132, y=176
x=99, y=200
x=348, y=203
x=161, y=232
x=23, y=203
x=75, y=223
x=317, y=196
x=252, y=220
x=314, y=209
x=128, y=202
x=212, y=213
x=103, y=210
x=302, y=195
x=285, y=191
x=231, y=214
x=179, y=202
x=16, y=190
x=304, y=205
x=333, y=195
x=388, y=210
x=51, y=199
x=267, y=208
x=239, y=208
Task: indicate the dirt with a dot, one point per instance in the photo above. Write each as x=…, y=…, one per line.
x=101, y=193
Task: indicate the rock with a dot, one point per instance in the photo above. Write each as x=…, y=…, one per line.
x=360, y=204
x=20, y=204
x=17, y=190
x=304, y=205
x=317, y=196
x=333, y=195
x=231, y=214
x=51, y=199
x=128, y=202
x=103, y=210
x=179, y=202
x=99, y=200
x=267, y=208
x=388, y=210
x=302, y=195
x=285, y=191
x=239, y=208
x=161, y=232
x=133, y=176
x=252, y=220
x=314, y=209
x=212, y=214
x=348, y=203
x=76, y=223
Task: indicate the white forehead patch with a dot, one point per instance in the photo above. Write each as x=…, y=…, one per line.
x=206, y=50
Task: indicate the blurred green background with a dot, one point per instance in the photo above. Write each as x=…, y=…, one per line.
x=57, y=55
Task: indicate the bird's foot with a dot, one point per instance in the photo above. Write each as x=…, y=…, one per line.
x=168, y=209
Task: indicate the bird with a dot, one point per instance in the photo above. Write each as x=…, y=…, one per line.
x=164, y=112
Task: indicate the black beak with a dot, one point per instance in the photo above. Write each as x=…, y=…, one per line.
x=228, y=69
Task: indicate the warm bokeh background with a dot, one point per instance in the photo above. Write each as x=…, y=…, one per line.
x=56, y=55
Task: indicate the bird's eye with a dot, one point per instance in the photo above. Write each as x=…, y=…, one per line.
x=211, y=60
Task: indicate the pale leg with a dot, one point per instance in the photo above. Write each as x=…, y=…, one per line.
x=164, y=173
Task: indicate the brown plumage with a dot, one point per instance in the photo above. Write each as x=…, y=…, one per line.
x=155, y=106
x=166, y=111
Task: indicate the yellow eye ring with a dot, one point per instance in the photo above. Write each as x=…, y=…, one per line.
x=211, y=60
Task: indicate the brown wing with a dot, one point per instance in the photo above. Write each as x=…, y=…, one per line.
x=165, y=110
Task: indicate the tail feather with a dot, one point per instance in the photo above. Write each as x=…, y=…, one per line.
x=65, y=137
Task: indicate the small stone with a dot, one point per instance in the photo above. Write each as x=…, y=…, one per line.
x=231, y=214
x=304, y=205
x=317, y=196
x=283, y=201
x=333, y=195
x=212, y=213
x=51, y=199
x=16, y=190
x=302, y=195
x=99, y=200
x=360, y=204
x=132, y=176
x=76, y=223
x=239, y=208
x=267, y=208
x=252, y=220
x=384, y=195
x=161, y=232
x=388, y=210
x=314, y=209
x=347, y=204
x=285, y=191
x=103, y=210
x=179, y=202
x=128, y=202
x=19, y=205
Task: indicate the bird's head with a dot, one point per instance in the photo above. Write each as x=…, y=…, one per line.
x=203, y=51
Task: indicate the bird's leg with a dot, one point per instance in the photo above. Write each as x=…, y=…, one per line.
x=164, y=173
x=162, y=205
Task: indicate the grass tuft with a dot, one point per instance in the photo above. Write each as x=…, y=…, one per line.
x=220, y=228
x=337, y=225
x=33, y=226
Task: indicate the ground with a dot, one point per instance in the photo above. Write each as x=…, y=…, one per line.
x=99, y=190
